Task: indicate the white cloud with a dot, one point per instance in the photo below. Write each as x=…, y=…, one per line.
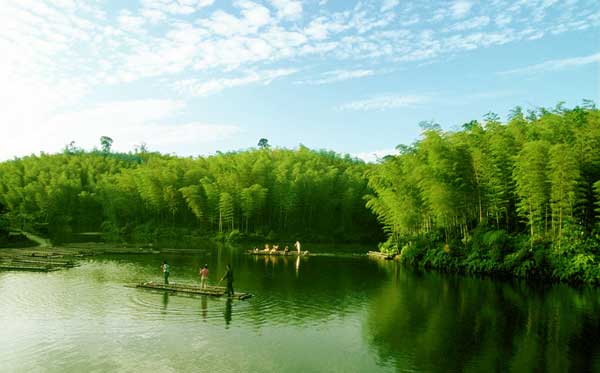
x=56, y=52
x=224, y=24
x=475, y=22
x=389, y=4
x=321, y=28
x=254, y=14
x=338, y=76
x=176, y=6
x=384, y=102
x=288, y=9
x=129, y=22
x=553, y=65
x=197, y=87
x=503, y=20
x=460, y=8
x=76, y=41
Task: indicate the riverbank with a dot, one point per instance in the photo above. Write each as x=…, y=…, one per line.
x=496, y=253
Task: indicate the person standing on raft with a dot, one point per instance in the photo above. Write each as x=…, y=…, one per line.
x=229, y=277
x=204, y=276
x=165, y=269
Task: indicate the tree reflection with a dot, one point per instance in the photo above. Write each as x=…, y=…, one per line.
x=450, y=323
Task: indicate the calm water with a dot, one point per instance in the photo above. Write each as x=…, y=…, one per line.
x=322, y=313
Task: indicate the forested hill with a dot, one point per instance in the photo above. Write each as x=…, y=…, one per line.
x=148, y=197
x=521, y=197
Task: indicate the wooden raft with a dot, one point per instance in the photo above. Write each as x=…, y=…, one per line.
x=279, y=252
x=28, y=268
x=34, y=264
x=216, y=291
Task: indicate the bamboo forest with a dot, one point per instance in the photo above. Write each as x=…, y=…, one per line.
x=518, y=198
x=299, y=186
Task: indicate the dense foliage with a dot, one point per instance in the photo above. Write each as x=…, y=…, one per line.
x=520, y=197
x=148, y=197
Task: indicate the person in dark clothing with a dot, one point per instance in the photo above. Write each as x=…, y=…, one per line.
x=229, y=277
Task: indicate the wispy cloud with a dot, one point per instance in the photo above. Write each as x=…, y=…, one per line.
x=288, y=9
x=176, y=6
x=460, y=8
x=384, y=102
x=389, y=4
x=338, y=76
x=57, y=52
x=197, y=87
x=553, y=65
x=93, y=47
x=472, y=23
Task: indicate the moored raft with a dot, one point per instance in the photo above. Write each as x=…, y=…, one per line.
x=34, y=264
x=216, y=291
x=279, y=252
x=27, y=268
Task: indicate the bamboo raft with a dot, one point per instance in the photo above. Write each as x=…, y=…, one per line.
x=380, y=255
x=215, y=291
x=279, y=252
x=28, y=268
x=34, y=264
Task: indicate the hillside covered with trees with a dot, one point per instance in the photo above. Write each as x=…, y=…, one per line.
x=147, y=197
x=521, y=197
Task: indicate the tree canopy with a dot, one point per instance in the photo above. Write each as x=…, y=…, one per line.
x=300, y=194
x=520, y=196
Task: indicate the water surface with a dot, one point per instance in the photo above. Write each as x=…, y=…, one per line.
x=321, y=313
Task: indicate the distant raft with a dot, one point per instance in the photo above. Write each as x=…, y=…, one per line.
x=34, y=264
x=279, y=252
x=215, y=291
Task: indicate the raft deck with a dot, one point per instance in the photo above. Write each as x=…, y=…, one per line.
x=216, y=291
x=279, y=252
x=34, y=264
x=27, y=268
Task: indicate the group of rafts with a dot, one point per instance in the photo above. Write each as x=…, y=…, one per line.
x=219, y=291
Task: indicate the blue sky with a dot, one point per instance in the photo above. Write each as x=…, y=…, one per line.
x=195, y=76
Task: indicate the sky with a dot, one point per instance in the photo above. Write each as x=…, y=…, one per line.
x=192, y=77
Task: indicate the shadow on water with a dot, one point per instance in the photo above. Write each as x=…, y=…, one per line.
x=431, y=321
x=165, y=300
x=204, y=307
x=227, y=312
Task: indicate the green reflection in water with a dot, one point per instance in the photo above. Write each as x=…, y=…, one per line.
x=430, y=321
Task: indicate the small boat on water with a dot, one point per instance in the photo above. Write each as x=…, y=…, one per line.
x=279, y=252
x=216, y=291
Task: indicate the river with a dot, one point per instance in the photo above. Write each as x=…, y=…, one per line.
x=318, y=313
